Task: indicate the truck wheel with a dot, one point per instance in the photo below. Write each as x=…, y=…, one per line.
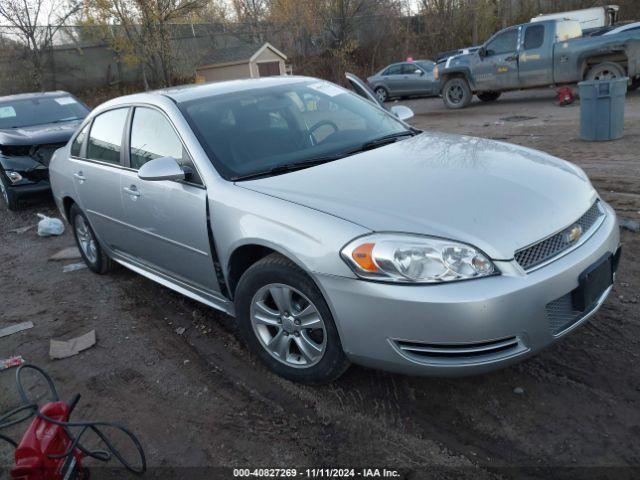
x=8, y=196
x=489, y=96
x=635, y=84
x=382, y=94
x=605, y=71
x=456, y=93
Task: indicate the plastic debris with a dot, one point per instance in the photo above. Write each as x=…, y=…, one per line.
x=73, y=267
x=68, y=348
x=18, y=327
x=518, y=391
x=180, y=330
x=21, y=230
x=69, y=253
x=11, y=362
x=48, y=226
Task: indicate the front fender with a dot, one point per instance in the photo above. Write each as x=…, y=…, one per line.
x=457, y=71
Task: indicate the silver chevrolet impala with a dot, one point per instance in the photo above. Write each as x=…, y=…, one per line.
x=333, y=231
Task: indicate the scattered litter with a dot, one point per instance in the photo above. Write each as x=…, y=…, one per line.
x=68, y=348
x=564, y=96
x=518, y=118
x=632, y=225
x=11, y=362
x=68, y=253
x=180, y=330
x=49, y=226
x=18, y=327
x=73, y=267
x=518, y=391
x=21, y=230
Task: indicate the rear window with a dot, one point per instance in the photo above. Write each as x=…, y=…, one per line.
x=534, y=37
x=40, y=111
x=105, y=139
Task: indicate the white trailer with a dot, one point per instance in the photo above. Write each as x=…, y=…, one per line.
x=595, y=17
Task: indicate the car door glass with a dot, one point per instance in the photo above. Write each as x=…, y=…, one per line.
x=506, y=42
x=409, y=69
x=152, y=136
x=393, y=70
x=76, y=145
x=105, y=139
x=534, y=37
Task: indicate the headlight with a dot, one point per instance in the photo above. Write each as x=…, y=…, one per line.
x=14, y=177
x=405, y=258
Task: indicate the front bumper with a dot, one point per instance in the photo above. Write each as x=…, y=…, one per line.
x=467, y=327
x=31, y=189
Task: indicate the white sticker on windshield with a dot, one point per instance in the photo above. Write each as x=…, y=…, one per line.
x=7, y=112
x=327, y=88
x=65, y=100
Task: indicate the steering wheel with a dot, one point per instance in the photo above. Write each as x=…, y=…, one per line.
x=322, y=123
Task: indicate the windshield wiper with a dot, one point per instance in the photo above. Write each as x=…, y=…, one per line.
x=290, y=167
x=385, y=140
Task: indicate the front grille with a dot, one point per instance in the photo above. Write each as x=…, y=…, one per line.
x=545, y=250
x=561, y=314
x=452, y=354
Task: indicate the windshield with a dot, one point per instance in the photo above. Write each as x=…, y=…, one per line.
x=259, y=130
x=39, y=111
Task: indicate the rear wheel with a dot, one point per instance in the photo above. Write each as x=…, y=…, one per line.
x=90, y=249
x=382, y=94
x=9, y=197
x=456, y=93
x=605, y=71
x=286, y=322
x=489, y=96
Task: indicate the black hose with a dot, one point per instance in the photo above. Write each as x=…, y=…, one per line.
x=32, y=409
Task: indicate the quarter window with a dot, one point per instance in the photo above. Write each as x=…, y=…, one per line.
x=76, y=146
x=105, y=139
x=506, y=42
x=534, y=37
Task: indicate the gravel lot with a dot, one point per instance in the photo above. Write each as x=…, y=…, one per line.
x=201, y=400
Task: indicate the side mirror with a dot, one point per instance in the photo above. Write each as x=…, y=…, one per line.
x=418, y=72
x=482, y=52
x=402, y=112
x=163, y=168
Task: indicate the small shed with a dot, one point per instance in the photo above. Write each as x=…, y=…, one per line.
x=244, y=61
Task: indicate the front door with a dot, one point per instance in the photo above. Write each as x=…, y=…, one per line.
x=167, y=220
x=97, y=168
x=498, y=69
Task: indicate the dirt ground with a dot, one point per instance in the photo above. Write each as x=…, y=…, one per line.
x=200, y=401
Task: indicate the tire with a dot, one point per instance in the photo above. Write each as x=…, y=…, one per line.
x=262, y=322
x=456, y=93
x=95, y=257
x=635, y=84
x=605, y=71
x=489, y=96
x=7, y=194
x=382, y=94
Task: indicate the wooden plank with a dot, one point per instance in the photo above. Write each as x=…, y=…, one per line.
x=18, y=327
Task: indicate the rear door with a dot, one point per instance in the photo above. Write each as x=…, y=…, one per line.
x=166, y=220
x=498, y=70
x=535, y=63
x=97, y=166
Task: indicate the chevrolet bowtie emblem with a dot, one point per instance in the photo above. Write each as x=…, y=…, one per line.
x=572, y=234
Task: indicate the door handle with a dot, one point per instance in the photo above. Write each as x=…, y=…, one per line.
x=512, y=58
x=132, y=190
x=79, y=176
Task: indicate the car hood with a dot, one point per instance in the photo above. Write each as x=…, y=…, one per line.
x=496, y=196
x=39, y=134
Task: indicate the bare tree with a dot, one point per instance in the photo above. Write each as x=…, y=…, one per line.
x=35, y=23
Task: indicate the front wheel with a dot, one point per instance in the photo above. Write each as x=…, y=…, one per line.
x=286, y=322
x=489, y=96
x=90, y=249
x=8, y=195
x=456, y=93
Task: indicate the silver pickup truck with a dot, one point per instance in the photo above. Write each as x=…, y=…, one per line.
x=539, y=54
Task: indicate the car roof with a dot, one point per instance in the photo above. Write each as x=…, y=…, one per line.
x=29, y=96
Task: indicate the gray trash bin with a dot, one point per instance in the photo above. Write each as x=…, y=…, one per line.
x=602, y=109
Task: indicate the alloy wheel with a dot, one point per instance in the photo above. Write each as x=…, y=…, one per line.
x=382, y=94
x=288, y=325
x=85, y=239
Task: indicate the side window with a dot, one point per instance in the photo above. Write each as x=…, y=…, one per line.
x=506, y=42
x=393, y=70
x=105, y=139
x=76, y=146
x=534, y=37
x=152, y=136
x=409, y=68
